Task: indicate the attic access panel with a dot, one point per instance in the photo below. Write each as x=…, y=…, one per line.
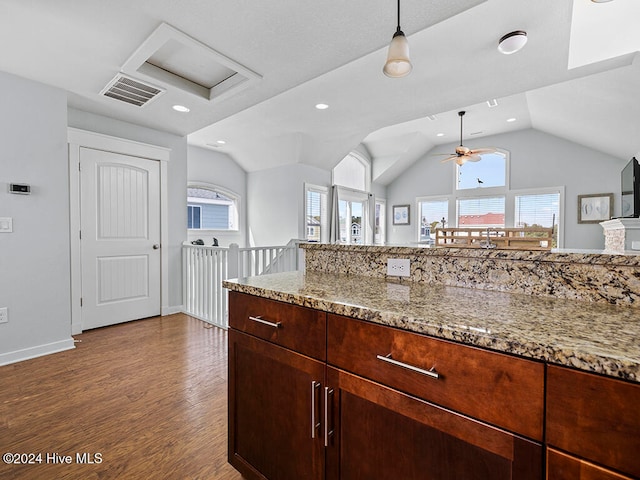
x=171, y=57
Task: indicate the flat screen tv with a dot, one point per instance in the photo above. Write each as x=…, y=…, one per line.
x=631, y=189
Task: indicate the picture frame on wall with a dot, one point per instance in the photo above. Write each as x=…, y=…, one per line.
x=595, y=208
x=401, y=215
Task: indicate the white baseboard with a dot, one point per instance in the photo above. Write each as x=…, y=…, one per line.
x=38, y=351
x=171, y=310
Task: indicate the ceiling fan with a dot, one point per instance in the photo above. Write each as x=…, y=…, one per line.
x=464, y=154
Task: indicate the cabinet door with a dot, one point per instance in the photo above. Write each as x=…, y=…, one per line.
x=377, y=433
x=274, y=411
x=561, y=466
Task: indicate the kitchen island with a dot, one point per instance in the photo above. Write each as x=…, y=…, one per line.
x=462, y=382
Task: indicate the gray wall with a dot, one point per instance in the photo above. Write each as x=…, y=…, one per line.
x=275, y=202
x=34, y=259
x=215, y=168
x=537, y=160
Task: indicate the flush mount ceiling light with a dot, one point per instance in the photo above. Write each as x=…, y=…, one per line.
x=398, y=63
x=322, y=106
x=181, y=108
x=512, y=42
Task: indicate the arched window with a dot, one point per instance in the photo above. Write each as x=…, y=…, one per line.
x=211, y=208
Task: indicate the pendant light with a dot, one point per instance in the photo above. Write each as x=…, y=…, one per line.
x=398, y=63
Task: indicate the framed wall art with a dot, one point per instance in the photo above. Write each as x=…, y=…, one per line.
x=401, y=215
x=595, y=208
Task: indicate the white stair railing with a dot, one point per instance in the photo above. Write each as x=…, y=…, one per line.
x=204, y=269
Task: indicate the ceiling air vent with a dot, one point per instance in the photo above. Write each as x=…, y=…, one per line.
x=129, y=90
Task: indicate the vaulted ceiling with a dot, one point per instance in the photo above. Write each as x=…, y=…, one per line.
x=576, y=78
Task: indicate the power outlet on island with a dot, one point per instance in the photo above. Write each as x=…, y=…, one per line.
x=398, y=267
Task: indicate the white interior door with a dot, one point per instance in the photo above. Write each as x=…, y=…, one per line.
x=120, y=237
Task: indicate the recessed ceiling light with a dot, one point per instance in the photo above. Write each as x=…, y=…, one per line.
x=181, y=108
x=512, y=42
x=512, y=119
x=439, y=134
x=220, y=142
x=322, y=106
x=600, y=1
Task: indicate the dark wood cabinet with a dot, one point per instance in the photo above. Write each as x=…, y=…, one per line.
x=270, y=411
x=275, y=389
x=499, y=389
x=561, y=466
x=594, y=418
x=315, y=395
x=378, y=433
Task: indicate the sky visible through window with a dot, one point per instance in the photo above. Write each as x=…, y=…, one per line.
x=488, y=172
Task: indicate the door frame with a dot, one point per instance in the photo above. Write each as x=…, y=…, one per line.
x=76, y=139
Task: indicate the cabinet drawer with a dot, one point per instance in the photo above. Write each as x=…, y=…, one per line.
x=561, y=466
x=594, y=417
x=297, y=328
x=503, y=390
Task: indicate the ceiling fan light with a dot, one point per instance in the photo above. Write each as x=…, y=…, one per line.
x=398, y=63
x=512, y=42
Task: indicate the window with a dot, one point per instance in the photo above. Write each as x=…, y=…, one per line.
x=211, y=208
x=379, y=234
x=490, y=171
x=538, y=210
x=193, y=216
x=432, y=212
x=316, y=220
x=353, y=171
x=481, y=212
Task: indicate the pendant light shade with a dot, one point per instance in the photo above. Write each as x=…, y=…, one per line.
x=398, y=63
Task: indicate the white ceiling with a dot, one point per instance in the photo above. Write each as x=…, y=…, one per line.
x=332, y=52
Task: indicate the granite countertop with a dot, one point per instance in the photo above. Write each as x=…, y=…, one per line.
x=598, y=338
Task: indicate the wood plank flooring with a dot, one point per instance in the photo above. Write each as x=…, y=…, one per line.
x=149, y=396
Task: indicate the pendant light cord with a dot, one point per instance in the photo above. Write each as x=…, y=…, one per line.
x=398, y=15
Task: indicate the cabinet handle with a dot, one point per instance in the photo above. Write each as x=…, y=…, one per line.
x=315, y=424
x=430, y=373
x=265, y=322
x=327, y=433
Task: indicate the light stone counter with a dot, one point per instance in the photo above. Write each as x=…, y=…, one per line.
x=596, y=337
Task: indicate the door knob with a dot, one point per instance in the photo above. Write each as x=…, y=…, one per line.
x=156, y=246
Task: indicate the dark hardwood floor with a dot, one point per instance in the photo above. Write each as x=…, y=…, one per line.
x=150, y=397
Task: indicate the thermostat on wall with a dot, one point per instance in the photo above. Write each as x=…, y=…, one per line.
x=21, y=188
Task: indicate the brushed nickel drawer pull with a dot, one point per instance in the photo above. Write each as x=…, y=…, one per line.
x=327, y=431
x=315, y=424
x=430, y=373
x=265, y=322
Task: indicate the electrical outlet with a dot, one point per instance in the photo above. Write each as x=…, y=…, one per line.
x=4, y=315
x=635, y=245
x=398, y=267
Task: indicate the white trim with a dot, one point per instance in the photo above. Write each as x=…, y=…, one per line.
x=76, y=139
x=173, y=310
x=38, y=351
x=99, y=141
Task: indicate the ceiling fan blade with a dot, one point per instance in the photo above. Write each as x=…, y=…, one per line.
x=438, y=154
x=476, y=151
x=454, y=157
x=473, y=158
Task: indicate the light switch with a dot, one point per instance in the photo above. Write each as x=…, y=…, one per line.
x=6, y=224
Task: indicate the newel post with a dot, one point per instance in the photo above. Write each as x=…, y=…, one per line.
x=233, y=261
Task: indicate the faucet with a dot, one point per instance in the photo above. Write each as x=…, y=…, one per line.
x=487, y=243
